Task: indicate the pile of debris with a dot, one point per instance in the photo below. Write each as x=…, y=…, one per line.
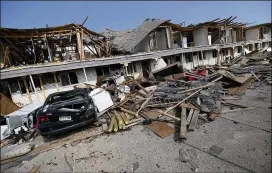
x=172, y=95
x=171, y=100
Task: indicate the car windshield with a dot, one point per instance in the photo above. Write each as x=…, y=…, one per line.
x=62, y=98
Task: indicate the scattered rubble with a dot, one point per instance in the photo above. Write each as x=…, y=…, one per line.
x=170, y=96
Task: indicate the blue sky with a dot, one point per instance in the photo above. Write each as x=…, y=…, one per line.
x=118, y=15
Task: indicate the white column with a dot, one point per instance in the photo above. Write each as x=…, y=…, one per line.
x=85, y=74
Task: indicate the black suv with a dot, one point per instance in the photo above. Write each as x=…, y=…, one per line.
x=67, y=110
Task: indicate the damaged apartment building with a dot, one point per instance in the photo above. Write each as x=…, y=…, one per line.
x=38, y=62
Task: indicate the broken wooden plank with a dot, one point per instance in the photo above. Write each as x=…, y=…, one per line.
x=193, y=120
x=124, y=117
x=143, y=104
x=183, y=124
x=111, y=124
x=173, y=107
x=189, y=117
x=121, y=124
x=161, y=129
x=128, y=111
x=140, y=86
x=188, y=106
x=168, y=115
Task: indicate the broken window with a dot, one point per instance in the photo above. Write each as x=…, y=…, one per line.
x=116, y=68
x=37, y=83
x=64, y=79
x=130, y=68
x=223, y=52
x=214, y=53
x=14, y=86
x=73, y=77
x=250, y=47
x=165, y=60
x=188, y=58
x=68, y=78
x=106, y=70
x=135, y=67
x=23, y=88
x=178, y=58
x=200, y=56
x=4, y=89
x=99, y=71
x=239, y=49
x=256, y=46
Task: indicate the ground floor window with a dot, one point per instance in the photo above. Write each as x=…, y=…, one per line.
x=214, y=52
x=68, y=78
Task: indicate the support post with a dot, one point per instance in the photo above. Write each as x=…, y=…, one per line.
x=218, y=57
x=56, y=82
x=27, y=91
x=126, y=71
x=85, y=74
x=48, y=49
x=32, y=82
x=79, y=45
x=33, y=50
x=232, y=52
x=41, y=83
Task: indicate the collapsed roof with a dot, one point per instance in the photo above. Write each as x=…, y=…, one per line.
x=38, y=45
x=216, y=23
x=125, y=41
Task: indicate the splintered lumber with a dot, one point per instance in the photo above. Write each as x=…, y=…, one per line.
x=127, y=115
x=124, y=117
x=140, y=86
x=140, y=94
x=168, y=115
x=128, y=111
x=193, y=120
x=171, y=108
x=111, y=124
x=189, y=117
x=135, y=120
x=115, y=124
x=188, y=106
x=129, y=125
x=144, y=103
x=119, y=120
x=183, y=123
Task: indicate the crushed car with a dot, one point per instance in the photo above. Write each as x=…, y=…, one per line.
x=66, y=110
